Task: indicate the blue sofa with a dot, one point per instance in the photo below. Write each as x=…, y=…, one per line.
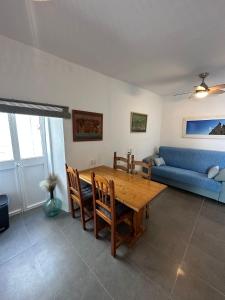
x=188, y=169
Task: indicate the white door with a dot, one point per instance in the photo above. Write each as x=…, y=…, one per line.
x=23, y=160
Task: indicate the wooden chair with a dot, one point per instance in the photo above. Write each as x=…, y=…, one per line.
x=106, y=207
x=145, y=175
x=126, y=162
x=142, y=165
x=81, y=194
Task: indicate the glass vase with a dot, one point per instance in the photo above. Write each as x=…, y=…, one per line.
x=52, y=207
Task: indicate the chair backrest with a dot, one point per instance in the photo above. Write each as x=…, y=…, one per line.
x=74, y=184
x=103, y=198
x=145, y=171
x=126, y=162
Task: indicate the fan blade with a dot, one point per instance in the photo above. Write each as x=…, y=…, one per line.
x=180, y=94
x=217, y=87
x=216, y=92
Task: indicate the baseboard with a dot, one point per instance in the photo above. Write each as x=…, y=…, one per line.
x=15, y=212
x=18, y=211
x=35, y=205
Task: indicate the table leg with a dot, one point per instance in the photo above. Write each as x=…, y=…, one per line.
x=138, y=227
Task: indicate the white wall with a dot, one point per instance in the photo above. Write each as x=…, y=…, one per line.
x=177, y=108
x=56, y=140
x=29, y=74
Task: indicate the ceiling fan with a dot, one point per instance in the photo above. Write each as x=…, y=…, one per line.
x=203, y=90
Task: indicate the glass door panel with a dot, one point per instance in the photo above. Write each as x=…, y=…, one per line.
x=29, y=136
x=23, y=160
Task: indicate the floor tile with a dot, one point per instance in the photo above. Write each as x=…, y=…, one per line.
x=181, y=206
x=14, y=240
x=211, y=227
x=210, y=245
x=85, y=243
x=67, y=275
x=205, y=266
x=124, y=281
x=167, y=237
x=86, y=288
x=160, y=268
x=192, y=288
x=21, y=278
x=38, y=225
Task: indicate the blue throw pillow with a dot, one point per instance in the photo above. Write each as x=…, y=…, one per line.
x=221, y=175
x=159, y=161
x=213, y=172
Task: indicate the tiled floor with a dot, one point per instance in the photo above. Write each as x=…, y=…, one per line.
x=180, y=256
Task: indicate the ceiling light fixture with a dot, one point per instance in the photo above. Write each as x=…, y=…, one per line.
x=201, y=92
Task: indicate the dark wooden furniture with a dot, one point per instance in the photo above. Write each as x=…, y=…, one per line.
x=4, y=213
x=131, y=190
x=81, y=195
x=108, y=209
x=125, y=166
x=146, y=175
x=142, y=165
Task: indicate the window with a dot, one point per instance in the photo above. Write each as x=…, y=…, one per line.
x=29, y=136
x=6, y=152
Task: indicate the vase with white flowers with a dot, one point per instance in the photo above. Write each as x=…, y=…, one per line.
x=53, y=205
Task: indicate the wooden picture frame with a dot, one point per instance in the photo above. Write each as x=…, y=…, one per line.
x=87, y=126
x=138, y=122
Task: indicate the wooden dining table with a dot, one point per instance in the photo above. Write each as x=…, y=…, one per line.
x=130, y=189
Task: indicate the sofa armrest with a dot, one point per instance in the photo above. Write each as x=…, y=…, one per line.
x=150, y=159
x=222, y=193
x=147, y=159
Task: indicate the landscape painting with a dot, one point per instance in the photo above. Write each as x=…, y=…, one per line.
x=87, y=126
x=204, y=127
x=138, y=122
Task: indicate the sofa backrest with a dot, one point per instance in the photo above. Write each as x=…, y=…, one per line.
x=192, y=159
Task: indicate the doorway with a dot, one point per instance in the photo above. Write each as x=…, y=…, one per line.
x=23, y=160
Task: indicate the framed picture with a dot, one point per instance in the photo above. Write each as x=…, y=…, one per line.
x=87, y=126
x=204, y=127
x=138, y=122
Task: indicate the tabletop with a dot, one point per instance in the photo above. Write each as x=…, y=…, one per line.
x=131, y=190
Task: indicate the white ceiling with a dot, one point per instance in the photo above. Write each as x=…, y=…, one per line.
x=160, y=45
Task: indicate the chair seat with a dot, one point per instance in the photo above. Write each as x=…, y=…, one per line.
x=121, y=210
x=84, y=184
x=87, y=193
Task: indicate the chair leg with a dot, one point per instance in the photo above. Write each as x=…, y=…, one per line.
x=72, y=209
x=82, y=216
x=113, y=241
x=96, y=225
x=147, y=211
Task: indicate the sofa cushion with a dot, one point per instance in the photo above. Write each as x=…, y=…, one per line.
x=192, y=159
x=212, y=172
x=159, y=161
x=220, y=176
x=188, y=177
